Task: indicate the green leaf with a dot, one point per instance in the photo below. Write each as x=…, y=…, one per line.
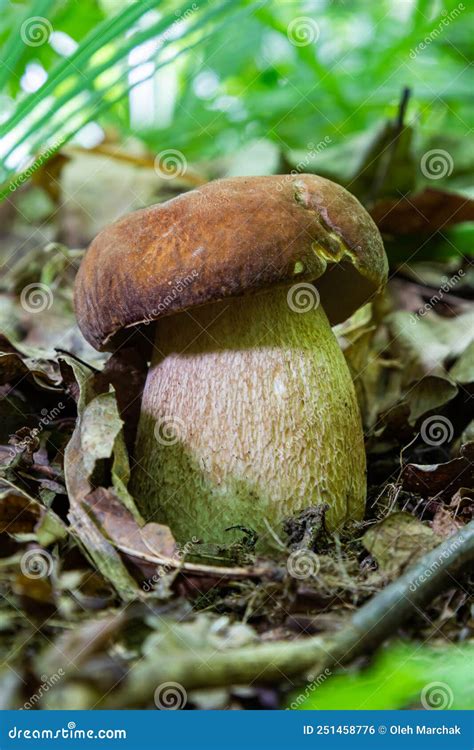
x=413, y=676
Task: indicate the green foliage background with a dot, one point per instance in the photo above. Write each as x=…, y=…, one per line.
x=239, y=77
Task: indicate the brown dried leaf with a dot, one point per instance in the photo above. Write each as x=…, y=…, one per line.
x=122, y=529
x=443, y=479
x=18, y=515
x=427, y=211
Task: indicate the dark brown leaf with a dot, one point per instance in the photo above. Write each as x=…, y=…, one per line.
x=444, y=478
x=425, y=212
x=18, y=515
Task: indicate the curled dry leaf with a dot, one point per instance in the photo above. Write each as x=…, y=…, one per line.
x=152, y=540
x=441, y=479
x=18, y=361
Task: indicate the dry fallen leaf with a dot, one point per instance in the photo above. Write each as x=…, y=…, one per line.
x=398, y=541
x=423, y=212
x=443, y=478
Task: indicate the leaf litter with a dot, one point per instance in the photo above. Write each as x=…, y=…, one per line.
x=92, y=590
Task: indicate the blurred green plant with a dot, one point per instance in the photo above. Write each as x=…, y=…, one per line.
x=344, y=81
x=94, y=78
x=404, y=676
x=227, y=74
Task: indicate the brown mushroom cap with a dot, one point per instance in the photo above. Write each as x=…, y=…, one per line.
x=229, y=238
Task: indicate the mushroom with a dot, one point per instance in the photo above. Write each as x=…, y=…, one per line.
x=249, y=413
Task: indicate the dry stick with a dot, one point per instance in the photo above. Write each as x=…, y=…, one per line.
x=392, y=146
x=369, y=627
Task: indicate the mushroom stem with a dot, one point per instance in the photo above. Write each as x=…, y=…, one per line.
x=249, y=415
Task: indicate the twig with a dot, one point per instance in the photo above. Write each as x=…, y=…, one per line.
x=402, y=108
x=368, y=628
x=386, y=163
x=257, y=571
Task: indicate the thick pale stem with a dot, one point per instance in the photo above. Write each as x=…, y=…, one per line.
x=249, y=415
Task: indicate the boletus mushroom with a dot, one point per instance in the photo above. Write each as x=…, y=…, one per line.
x=249, y=413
